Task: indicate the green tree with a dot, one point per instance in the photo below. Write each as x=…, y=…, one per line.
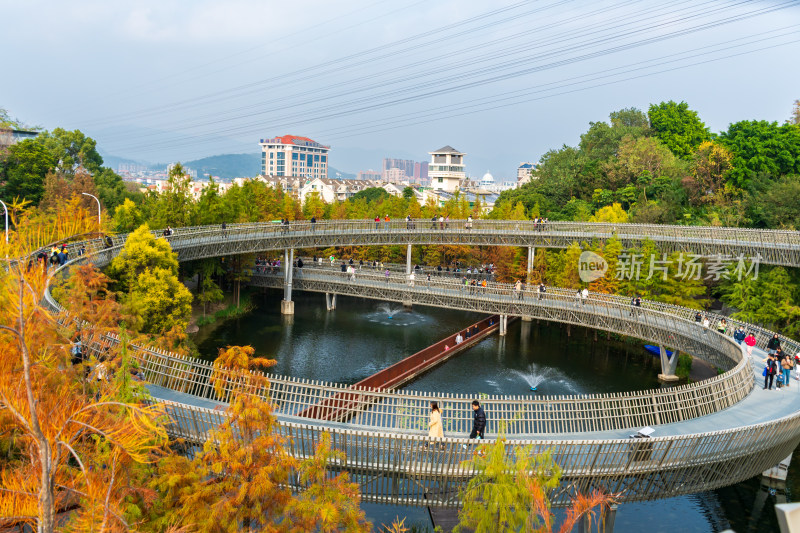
x=127, y=217
x=159, y=301
x=767, y=300
x=678, y=127
x=761, y=147
x=142, y=251
x=773, y=204
x=146, y=271
x=71, y=149
x=110, y=188
x=209, y=292
x=210, y=206
x=662, y=277
x=601, y=141
x=313, y=206
x=509, y=493
x=371, y=194
x=645, y=164
x=26, y=166
x=497, y=498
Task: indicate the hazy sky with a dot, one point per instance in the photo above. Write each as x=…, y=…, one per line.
x=503, y=81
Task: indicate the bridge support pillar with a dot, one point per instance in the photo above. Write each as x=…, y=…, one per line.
x=668, y=365
x=407, y=305
x=503, y=325
x=408, y=260
x=779, y=471
x=605, y=521
x=287, y=305
x=330, y=301
x=529, y=272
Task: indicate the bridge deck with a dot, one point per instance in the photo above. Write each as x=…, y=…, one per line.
x=759, y=406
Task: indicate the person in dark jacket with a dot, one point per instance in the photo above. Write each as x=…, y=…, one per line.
x=773, y=344
x=478, y=420
x=770, y=370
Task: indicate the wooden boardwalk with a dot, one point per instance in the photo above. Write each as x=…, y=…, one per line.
x=345, y=405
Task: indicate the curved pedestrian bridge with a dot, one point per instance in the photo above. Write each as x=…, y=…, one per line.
x=775, y=247
x=708, y=434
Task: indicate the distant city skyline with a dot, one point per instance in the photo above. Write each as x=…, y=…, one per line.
x=176, y=80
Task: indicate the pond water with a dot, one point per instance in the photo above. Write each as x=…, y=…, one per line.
x=361, y=337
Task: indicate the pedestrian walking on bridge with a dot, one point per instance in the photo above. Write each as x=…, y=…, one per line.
x=435, y=428
x=478, y=422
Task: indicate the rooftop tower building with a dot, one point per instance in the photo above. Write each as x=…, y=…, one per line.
x=293, y=155
x=446, y=169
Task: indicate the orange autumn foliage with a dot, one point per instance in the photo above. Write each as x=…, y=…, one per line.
x=73, y=445
x=242, y=478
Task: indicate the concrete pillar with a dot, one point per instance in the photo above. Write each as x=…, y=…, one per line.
x=668, y=365
x=408, y=260
x=780, y=470
x=330, y=301
x=287, y=305
x=606, y=518
x=503, y=325
x=531, y=256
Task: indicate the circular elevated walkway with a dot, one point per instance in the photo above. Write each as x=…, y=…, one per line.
x=726, y=430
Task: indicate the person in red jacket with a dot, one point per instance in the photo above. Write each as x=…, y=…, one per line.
x=750, y=341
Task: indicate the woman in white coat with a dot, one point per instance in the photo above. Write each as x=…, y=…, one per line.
x=435, y=423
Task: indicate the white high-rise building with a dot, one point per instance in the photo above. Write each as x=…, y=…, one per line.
x=446, y=169
x=293, y=155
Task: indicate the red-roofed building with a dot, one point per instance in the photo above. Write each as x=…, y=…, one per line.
x=293, y=155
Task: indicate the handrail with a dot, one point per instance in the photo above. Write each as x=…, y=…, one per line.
x=404, y=410
x=682, y=464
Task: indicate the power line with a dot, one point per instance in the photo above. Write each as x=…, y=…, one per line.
x=584, y=57
x=153, y=84
x=332, y=65
x=622, y=30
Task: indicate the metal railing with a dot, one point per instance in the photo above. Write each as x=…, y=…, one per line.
x=397, y=468
x=777, y=247
x=390, y=465
x=543, y=415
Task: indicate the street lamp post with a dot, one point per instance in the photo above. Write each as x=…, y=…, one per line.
x=98, y=211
